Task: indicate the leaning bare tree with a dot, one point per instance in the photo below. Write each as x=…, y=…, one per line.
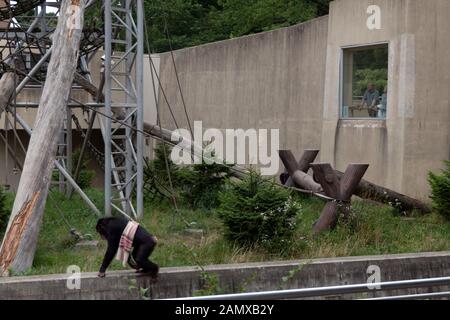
x=6, y=90
x=19, y=244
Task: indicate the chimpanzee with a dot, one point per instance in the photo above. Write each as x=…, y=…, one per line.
x=111, y=229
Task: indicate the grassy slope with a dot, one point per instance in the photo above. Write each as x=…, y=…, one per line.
x=377, y=231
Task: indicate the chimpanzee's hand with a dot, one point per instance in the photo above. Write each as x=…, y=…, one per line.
x=101, y=274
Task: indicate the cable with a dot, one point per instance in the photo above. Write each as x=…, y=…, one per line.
x=172, y=189
x=176, y=74
x=233, y=167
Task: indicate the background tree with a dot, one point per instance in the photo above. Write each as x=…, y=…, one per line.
x=194, y=22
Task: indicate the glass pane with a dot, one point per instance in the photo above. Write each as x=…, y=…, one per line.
x=365, y=82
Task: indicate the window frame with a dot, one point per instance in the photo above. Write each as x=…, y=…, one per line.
x=341, y=78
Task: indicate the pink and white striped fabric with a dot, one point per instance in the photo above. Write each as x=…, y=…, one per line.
x=126, y=242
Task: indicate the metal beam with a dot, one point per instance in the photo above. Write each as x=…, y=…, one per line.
x=70, y=180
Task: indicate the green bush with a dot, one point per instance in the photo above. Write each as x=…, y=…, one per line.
x=159, y=165
x=257, y=212
x=85, y=176
x=364, y=76
x=440, y=186
x=201, y=184
x=198, y=185
x=156, y=182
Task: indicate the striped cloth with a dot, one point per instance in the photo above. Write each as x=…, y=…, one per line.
x=126, y=242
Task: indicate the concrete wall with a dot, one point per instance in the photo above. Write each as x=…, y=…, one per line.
x=268, y=80
x=415, y=137
x=290, y=79
x=185, y=282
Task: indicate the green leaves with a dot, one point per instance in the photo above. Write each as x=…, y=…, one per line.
x=195, y=22
x=201, y=183
x=256, y=211
x=245, y=17
x=85, y=176
x=440, y=185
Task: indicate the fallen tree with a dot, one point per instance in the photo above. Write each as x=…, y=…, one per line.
x=365, y=189
x=371, y=191
x=19, y=245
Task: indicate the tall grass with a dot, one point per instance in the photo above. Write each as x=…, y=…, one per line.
x=376, y=230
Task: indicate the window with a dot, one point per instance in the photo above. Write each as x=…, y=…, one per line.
x=365, y=82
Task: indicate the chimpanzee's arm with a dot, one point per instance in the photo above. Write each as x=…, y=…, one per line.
x=113, y=246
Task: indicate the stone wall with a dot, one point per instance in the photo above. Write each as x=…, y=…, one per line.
x=251, y=277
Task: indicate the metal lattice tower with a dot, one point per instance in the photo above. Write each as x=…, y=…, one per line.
x=124, y=57
x=26, y=41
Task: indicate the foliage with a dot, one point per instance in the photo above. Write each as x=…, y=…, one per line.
x=209, y=285
x=85, y=175
x=370, y=65
x=256, y=211
x=440, y=185
x=376, y=233
x=292, y=274
x=156, y=175
x=142, y=292
x=198, y=185
x=194, y=22
x=239, y=18
x=363, y=77
x=161, y=161
x=201, y=184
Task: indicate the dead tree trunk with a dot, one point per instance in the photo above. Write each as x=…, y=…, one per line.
x=368, y=190
x=299, y=177
x=7, y=83
x=19, y=245
x=88, y=87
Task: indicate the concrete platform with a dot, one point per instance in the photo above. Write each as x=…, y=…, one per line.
x=186, y=281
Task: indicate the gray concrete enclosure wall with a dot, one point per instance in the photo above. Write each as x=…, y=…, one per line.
x=268, y=80
x=290, y=79
x=415, y=137
x=185, y=282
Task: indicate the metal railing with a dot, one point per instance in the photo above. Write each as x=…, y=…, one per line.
x=342, y=290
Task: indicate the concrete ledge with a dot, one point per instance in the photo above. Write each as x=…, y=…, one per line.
x=185, y=281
